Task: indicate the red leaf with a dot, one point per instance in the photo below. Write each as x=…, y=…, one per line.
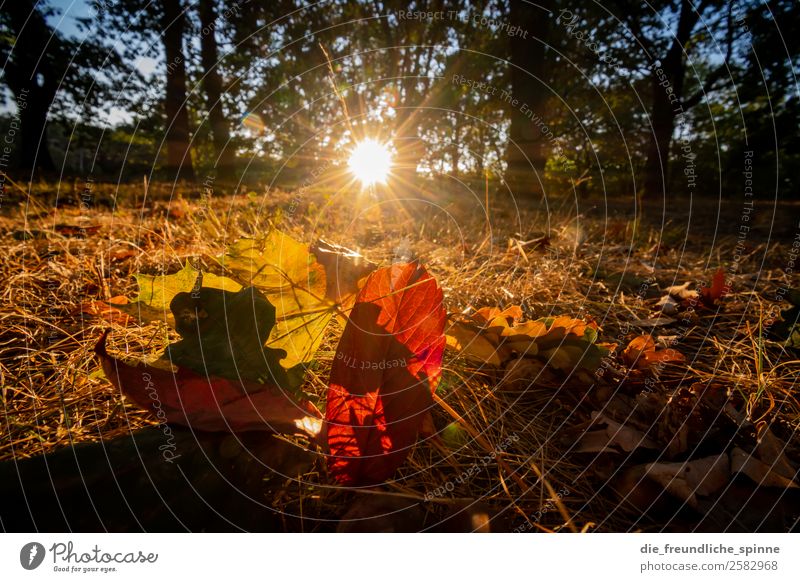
x=387, y=365
x=718, y=289
x=209, y=404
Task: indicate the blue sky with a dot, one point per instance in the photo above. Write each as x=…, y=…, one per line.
x=70, y=9
x=66, y=22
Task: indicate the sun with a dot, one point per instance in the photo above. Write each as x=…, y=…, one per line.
x=370, y=162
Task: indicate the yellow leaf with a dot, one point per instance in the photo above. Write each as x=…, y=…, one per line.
x=468, y=341
x=290, y=277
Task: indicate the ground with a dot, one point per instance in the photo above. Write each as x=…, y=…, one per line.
x=525, y=462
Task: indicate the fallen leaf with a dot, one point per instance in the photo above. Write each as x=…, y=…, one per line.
x=387, y=365
x=157, y=291
x=522, y=373
x=468, y=340
x=760, y=472
x=494, y=316
x=223, y=334
x=710, y=296
x=107, y=310
x=624, y=438
x=209, y=404
x=772, y=451
x=493, y=337
x=679, y=297
x=292, y=279
x=668, y=305
x=344, y=268
x=121, y=253
x=682, y=292
x=692, y=479
x=641, y=354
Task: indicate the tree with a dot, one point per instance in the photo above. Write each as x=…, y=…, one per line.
x=667, y=57
x=48, y=74
x=148, y=23
x=178, y=137
x=531, y=87
x=212, y=86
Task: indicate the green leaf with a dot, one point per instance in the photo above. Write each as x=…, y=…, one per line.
x=223, y=334
x=157, y=291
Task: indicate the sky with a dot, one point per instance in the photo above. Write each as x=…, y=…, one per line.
x=70, y=9
x=66, y=22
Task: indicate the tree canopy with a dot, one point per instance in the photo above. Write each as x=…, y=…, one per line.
x=652, y=100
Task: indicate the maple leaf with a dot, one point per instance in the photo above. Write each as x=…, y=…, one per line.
x=209, y=404
x=157, y=291
x=386, y=368
x=290, y=277
x=345, y=269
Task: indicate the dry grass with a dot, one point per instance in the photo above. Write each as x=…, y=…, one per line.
x=593, y=267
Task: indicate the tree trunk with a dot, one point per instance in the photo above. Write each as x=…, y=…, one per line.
x=179, y=158
x=212, y=85
x=531, y=65
x=30, y=76
x=668, y=81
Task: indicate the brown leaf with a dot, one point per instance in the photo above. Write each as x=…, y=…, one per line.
x=121, y=253
x=344, y=269
x=613, y=435
x=710, y=296
x=209, y=404
x=468, y=340
x=771, y=450
x=692, y=479
x=761, y=473
x=522, y=373
x=107, y=310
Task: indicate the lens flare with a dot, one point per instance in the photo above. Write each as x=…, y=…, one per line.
x=370, y=162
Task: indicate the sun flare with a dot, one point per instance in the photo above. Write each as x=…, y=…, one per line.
x=370, y=162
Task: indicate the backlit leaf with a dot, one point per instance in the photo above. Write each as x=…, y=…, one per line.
x=387, y=365
x=157, y=291
x=290, y=277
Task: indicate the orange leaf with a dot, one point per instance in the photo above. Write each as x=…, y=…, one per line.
x=106, y=310
x=641, y=354
x=718, y=289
